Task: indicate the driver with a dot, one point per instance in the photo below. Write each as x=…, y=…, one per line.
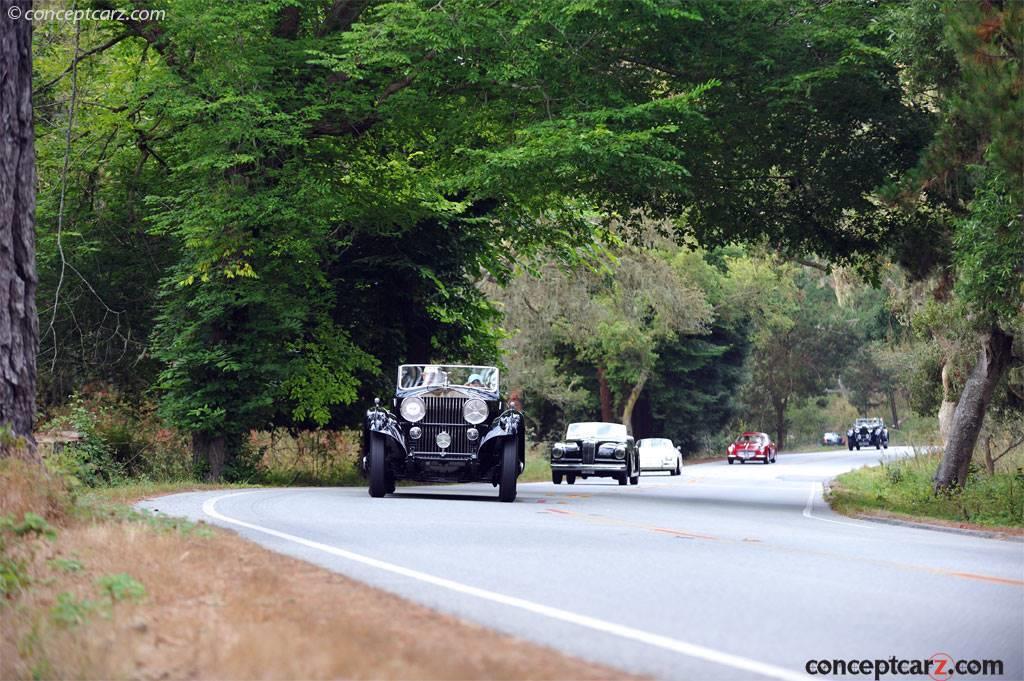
x=432, y=375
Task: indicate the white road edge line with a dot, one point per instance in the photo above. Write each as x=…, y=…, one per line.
x=809, y=507
x=656, y=640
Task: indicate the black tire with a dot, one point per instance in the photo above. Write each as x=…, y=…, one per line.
x=509, y=472
x=679, y=468
x=858, y=447
x=767, y=458
x=742, y=461
x=624, y=479
x=850, y=445
x=556, y=478
x=732, y=461
x=584, y=477
x=377, y=466
x=570, y=478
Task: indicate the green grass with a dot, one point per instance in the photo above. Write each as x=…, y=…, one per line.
x=904, y=487
x=538, y=468
x=130, y=491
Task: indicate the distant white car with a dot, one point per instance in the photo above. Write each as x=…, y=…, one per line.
x=659, y=454
x=831, y=438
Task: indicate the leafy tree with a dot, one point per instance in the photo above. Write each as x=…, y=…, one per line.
x=800, y=342
x=614, y=316
x=969, y=66
x=303, y=151
x=326, y=185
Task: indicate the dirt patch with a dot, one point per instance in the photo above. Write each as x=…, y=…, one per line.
x=218, y=607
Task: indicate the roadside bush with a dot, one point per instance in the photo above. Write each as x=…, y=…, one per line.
x=307, y=458
x=119, y=440
x=905, y=487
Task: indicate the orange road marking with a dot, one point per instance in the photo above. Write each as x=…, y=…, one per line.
x=985, y=578
x=599, y=519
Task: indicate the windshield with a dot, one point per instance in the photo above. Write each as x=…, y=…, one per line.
x=869, y=422
x=751, y=437
x=443, y=375
x=601, y=431
x=654, y=442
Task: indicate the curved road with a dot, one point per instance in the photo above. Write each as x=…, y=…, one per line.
x=726, y=572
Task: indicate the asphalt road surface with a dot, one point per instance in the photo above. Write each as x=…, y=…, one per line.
x=726, y=572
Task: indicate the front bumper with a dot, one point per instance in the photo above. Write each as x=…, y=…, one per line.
x=596, y=469
x=666, y=465
x=747, y=456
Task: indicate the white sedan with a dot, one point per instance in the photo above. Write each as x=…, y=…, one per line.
x=659, y=454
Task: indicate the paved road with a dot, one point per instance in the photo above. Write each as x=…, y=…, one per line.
x=727, y=572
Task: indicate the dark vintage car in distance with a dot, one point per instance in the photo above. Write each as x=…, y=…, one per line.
x=595, y=449
x=449, y=424
x=868, y=433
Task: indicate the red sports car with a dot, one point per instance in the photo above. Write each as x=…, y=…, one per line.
x=753, y=447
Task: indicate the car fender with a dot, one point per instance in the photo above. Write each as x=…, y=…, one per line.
x=382, y=423
x=509, y=424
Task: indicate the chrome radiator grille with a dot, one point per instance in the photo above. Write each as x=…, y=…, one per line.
x=588, y=450
x=444, y=414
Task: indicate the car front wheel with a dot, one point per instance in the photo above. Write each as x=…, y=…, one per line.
x=556, y=478
x=571, y=478
x=679, y=468
x=378, y=468
x=509, y=472
x=732, y=461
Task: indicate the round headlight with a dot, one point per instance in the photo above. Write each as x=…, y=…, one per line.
x=444, y=440
x=415, y=432
x=474, y=411
x=556, y=453
x=620, y=452
x=473, y=434
x=412, y=409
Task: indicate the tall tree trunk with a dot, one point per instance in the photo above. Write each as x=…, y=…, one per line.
x=780, y=423
x=892, y=408
x=19, y=324
x=211, y=451
x=605, y=395
x=634, y=395
x=993, y=363
x=947, y=408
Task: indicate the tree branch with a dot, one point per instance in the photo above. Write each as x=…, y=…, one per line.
x=827, y=269
x=358, y=127
x=341, y=16
x=88, y=53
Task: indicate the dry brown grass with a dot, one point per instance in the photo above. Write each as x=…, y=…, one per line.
x=219, y=607
x=28, y=487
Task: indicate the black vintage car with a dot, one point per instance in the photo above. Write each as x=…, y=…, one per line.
x=600, y=450
x=867, y=433
x=449, y=424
